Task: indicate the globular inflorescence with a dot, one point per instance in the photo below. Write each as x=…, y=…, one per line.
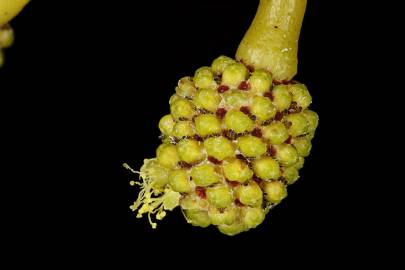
x=232, y=143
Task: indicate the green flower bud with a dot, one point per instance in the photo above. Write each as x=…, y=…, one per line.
x=299, y=124
x=262, y=108
x=6, y=36
x=192, y=201
x=208, y=99
x=286, y=154
x=300, y=94
x=276, y=133
x=303, y=146
x=179, y=181
x=171, y=200
x=204, y=78
x=182, y=109
x=232, y=229
x=219, y=64
x=219, y=148
x=266, y=168
x=236, y=98
x=183, y=128
x=156, y=173
x=237, y=170
x=166, y=125
x=291, y=175
x=190, y=151
x=275, y=191
x=238, y=121
x=186, y=87
x=198, y=218
x=250, y=194
x=204, y=175
x=234, y=74
x=312, y=118
x=207, y=124
x=281, y=97
x=252, y=217
x=174, y=98
x=220, y=196
x=167, y=155
x=260, y=82
x=300, y=163
x=225, y=216
x=251, y=146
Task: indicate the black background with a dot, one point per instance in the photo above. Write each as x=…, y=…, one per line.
x=85, y=86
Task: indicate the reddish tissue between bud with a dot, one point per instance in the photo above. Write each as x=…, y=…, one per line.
x=200, y=191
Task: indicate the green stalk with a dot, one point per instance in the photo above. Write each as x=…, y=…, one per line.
x=271, y=42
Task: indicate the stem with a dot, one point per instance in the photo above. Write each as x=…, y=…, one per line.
x=271, y=41
x=9, y=9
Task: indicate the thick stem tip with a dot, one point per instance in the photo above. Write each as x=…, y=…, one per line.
x=271, y=41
